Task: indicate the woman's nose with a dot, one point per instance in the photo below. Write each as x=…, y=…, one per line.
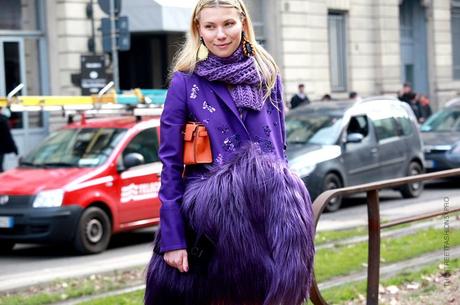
x=221, y=33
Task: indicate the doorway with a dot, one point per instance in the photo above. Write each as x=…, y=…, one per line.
x=148, y=62
x=413, y=35
x=28, y=128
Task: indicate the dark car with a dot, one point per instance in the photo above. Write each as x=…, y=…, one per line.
x=336, y=144
x=441, y=137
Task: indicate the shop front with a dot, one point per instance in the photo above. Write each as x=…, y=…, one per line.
x=23, y=60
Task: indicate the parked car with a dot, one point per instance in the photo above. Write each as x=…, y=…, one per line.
x=82, y=184
x=441, y=137
x=337, y=144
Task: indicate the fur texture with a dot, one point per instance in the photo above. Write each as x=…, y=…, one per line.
x=259, y=216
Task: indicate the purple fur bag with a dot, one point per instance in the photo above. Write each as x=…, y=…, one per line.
x=257, y=218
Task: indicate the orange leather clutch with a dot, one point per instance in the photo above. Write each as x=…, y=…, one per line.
x=197, y=146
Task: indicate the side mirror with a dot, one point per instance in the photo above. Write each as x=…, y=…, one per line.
x=354, y=137
x=133, y=159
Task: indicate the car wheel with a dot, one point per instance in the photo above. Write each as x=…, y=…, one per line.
x=6, y=246
x=93, y=231
x=414, y=189
x=332, y=181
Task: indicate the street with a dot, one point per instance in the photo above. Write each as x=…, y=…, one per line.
x=31, y=264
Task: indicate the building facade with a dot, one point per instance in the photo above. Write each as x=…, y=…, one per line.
x=332, y=46
x=371, y=46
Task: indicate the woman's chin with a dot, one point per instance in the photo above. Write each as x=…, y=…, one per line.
x=225, y=52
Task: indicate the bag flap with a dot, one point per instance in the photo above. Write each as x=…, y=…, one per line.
x=189, y=131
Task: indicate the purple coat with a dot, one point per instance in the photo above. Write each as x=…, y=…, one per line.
x=193, y=98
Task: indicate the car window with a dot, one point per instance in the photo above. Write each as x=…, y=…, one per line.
x=146, y=144
x=405, y=126
x=385, y=128
x=75, y=147
x=444, y=120
x=308, y=129
x=358, y=124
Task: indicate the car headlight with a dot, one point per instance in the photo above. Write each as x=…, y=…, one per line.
x=48, y=199
x=302, y=169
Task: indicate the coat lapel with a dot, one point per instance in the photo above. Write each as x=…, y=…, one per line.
x=224, y=95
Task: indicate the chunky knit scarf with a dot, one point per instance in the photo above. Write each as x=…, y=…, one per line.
x=240, y=73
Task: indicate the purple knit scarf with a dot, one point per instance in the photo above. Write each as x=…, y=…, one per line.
x=238, y=71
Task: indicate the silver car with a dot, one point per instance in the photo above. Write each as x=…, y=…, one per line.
x=336, y=144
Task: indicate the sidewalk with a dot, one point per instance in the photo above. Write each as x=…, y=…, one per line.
x=335, y=221
x=20, y=280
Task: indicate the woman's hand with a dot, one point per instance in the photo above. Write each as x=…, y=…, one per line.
x=177, y=259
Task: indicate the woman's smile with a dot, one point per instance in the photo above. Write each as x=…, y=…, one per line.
x=223, y=46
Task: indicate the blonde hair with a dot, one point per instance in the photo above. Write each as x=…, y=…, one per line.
x=186, y=60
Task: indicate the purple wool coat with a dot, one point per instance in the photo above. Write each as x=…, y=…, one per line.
x=193, y=98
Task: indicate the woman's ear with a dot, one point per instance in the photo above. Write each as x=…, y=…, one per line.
x=245, y=26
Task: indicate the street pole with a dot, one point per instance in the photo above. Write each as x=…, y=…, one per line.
x=93, y=29
x=113, y=38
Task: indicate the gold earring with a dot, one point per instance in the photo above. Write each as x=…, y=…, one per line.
x=203, y=52
x=248, y=48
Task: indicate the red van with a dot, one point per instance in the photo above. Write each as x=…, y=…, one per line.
x=84, y=183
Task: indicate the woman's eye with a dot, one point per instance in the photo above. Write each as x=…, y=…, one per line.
x=229, y=24
x=209, y=27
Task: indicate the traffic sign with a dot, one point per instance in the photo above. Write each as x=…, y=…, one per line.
x=122, y=34
x=105, y=6
x=93, y=76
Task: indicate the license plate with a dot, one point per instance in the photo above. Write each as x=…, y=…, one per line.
x=429, y=164
x=6, y=222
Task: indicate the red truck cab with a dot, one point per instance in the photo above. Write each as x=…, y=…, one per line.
x=82, y=184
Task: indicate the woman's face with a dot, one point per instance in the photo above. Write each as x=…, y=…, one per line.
x=220, y=28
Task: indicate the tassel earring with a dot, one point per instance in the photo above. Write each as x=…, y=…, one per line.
x=203, y=52
x=248, y=49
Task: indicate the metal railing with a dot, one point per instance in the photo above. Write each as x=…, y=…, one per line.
x=374, y=226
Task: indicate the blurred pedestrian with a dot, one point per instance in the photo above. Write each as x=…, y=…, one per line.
x=424, y=108
x=354, y=96
x=236, y=228
x=406, y=93
x=326, y=98
x=414, y=105
x=7, y=144
x=299, y=98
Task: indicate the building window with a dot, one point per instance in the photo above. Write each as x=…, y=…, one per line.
x=337, y=51
x=456, y=37
x=19, y=15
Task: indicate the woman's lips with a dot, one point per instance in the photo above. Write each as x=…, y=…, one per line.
x=222, y=46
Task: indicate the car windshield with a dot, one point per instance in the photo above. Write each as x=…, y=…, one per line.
x=84, y=147
x=443, y=121
x=309, y=129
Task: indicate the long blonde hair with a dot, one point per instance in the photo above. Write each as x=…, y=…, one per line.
x=186, y=60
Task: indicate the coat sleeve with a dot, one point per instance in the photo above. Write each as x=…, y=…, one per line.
x=171, y=192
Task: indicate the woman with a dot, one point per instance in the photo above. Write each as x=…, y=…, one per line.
x=237, y=231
